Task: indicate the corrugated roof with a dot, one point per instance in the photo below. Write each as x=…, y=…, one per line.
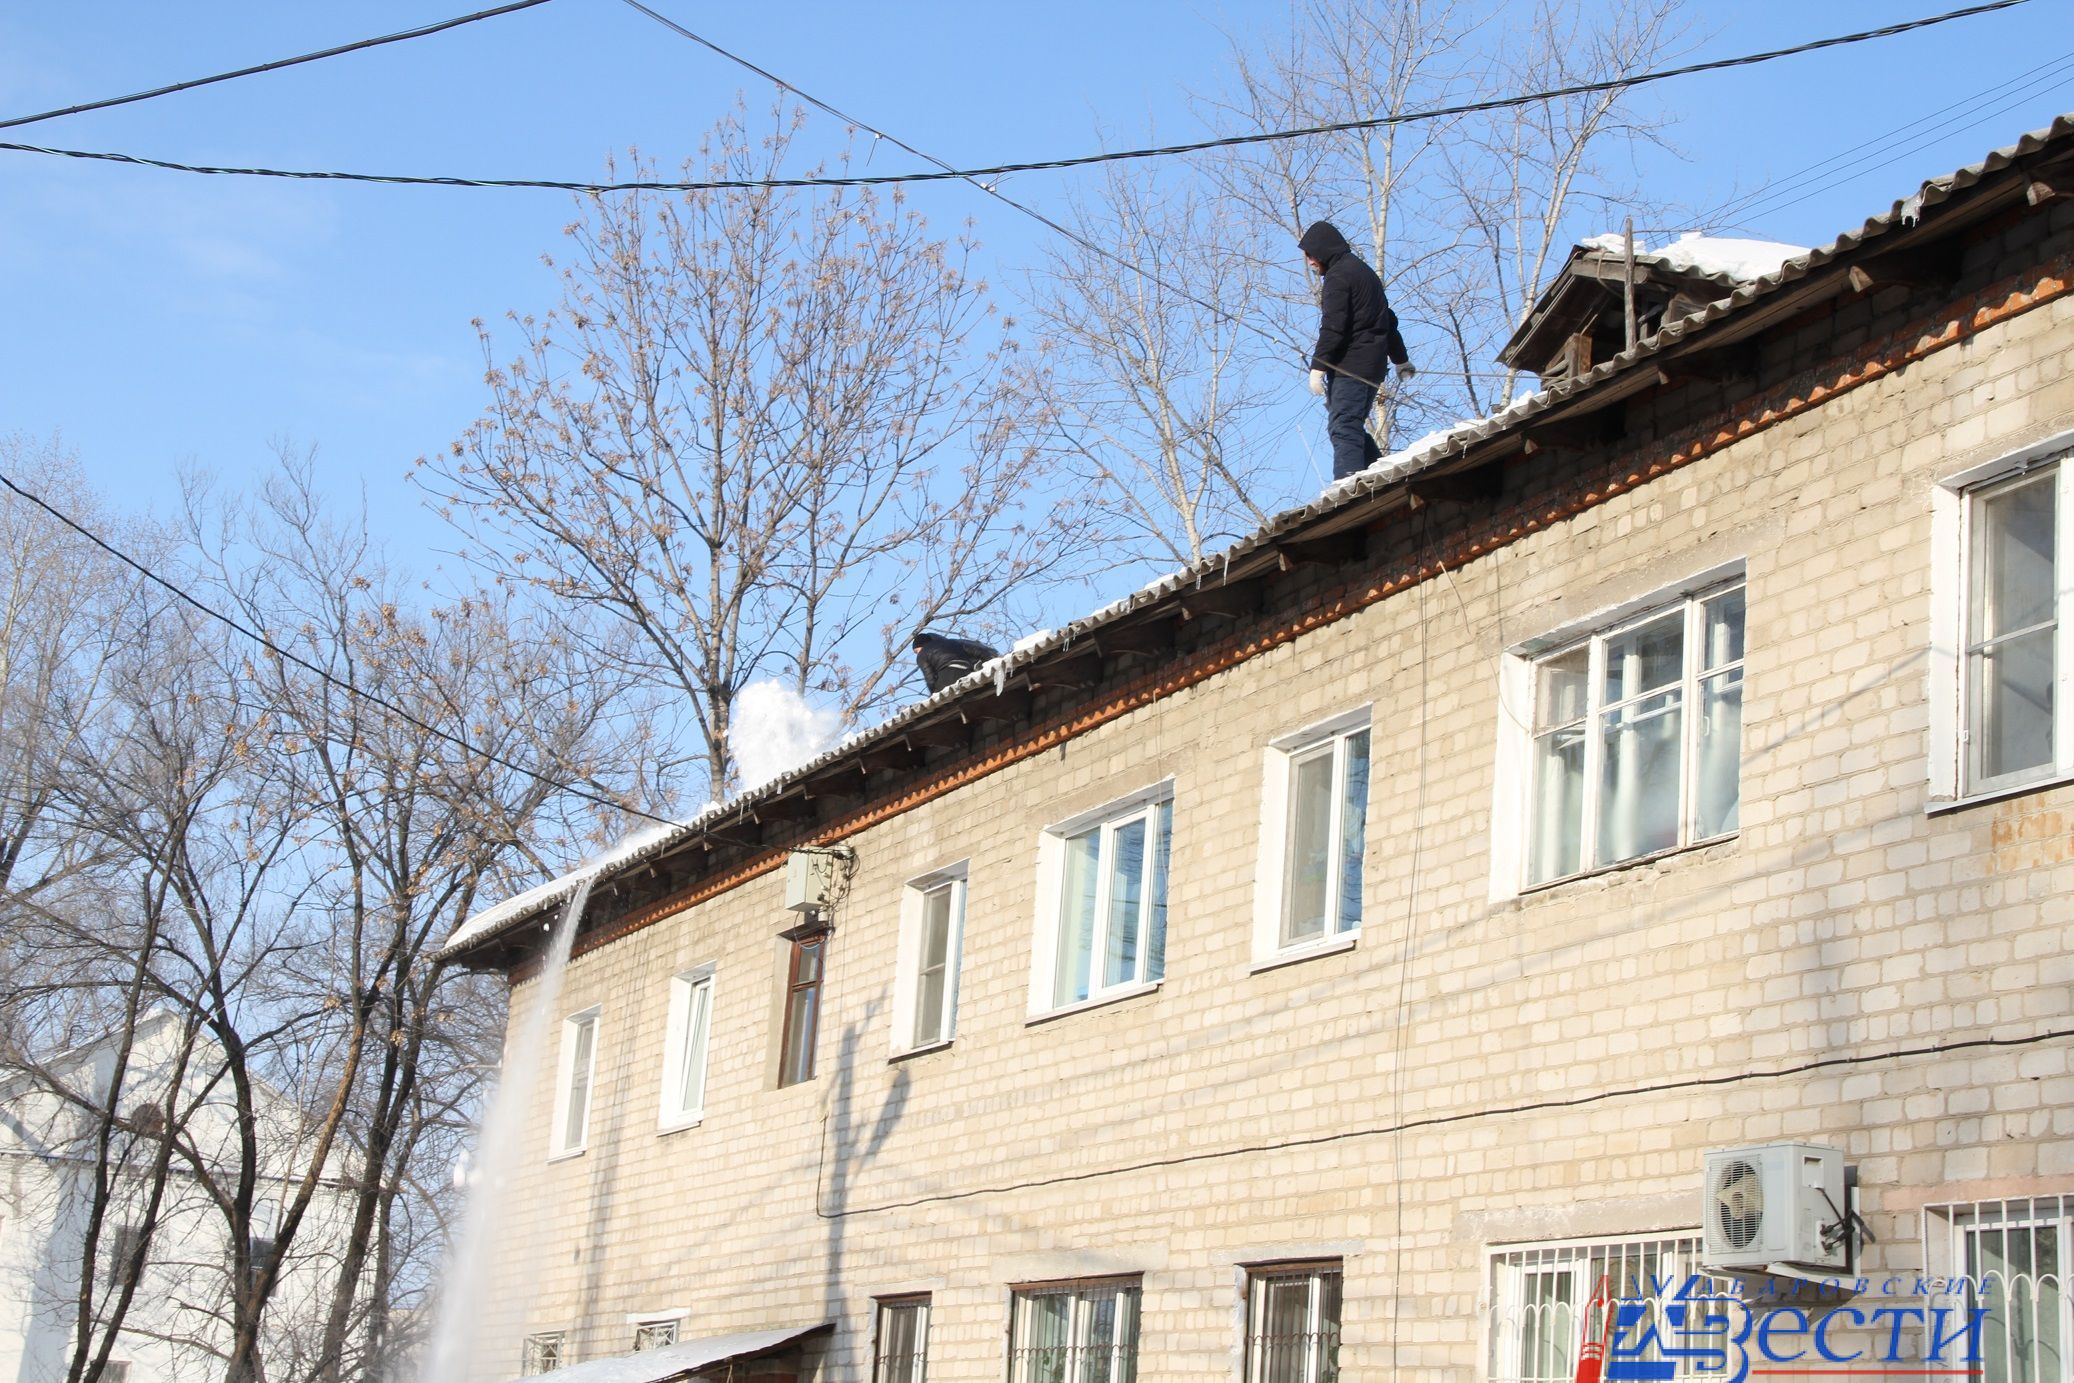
x=1384, y=475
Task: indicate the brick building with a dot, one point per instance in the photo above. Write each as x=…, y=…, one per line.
x=1340, y=956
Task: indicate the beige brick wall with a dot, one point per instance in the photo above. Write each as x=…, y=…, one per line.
x=1844, y=920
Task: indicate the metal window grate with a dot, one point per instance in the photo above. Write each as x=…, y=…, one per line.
x=2009, y=1258
x=654, y=1335
x=1292, y=1324
x=1540, y=1295
x=1082, y=1332
x=900, y=1353
x=543, y=1353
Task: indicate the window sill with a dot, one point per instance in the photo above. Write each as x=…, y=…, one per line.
x=927, y=1047
x=2057, y=778
x=1102, y=1000
x=1638, y=862
x=677, y=1123
x=1310, y=950
x=566, y=1153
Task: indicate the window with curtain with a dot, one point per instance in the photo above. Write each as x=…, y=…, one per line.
x=1637, y=737
x=1541, y=1295
x=2013, y=631
x=1292, y=1323
x=900, y=1351
x=802, y=1010
x=1075, y=1332
x=2009, y=1258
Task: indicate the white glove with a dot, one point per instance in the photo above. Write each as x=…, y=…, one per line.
x=1318, y=383
x=1405, y=371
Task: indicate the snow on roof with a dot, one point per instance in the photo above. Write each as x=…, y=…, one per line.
x=1722, y=256
x=481, y=924
x=673, y=1362
x=1716, y=256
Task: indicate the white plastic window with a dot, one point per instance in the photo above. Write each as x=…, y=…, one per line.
x=932, y=936
x=573, y=1086
x=688, y=1037
x=1102, y=903
x=1313, y=837
x=2014, y=634
x=1637, y=737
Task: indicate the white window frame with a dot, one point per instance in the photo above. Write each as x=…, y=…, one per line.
x=1505, y=1311
x=559, y=1143
x=685, y=991
x=1271, y=878
x=1952, y=781
x=1945, y=1257
x=907, y=977
x=1142, y=805
x=1320, y=1362
x=1514, y=776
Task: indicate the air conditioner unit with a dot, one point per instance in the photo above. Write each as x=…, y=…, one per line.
x=1775, y=1203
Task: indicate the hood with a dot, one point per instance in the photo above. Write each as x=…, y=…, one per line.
x=1324, y=243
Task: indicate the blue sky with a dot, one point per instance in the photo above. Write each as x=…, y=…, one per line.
x=159, y=320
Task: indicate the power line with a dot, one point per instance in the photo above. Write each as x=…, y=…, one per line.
x=1037, y=166
x=264, y=641
x=991, y=189
x=273, y=66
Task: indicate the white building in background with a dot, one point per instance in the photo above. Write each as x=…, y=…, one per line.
x=178, y=1322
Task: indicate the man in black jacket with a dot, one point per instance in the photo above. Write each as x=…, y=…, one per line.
x=1357, y=334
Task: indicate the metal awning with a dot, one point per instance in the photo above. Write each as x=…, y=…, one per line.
x=674, y=1363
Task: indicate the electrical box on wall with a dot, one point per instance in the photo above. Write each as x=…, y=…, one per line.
x=1775, y=1203
x=811, y=879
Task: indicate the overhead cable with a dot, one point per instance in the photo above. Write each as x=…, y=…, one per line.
x=261, y=638
x=991, y=189
x=1040, y=165
x=274, y=66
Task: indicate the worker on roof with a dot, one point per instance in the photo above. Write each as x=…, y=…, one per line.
x=1357, y=335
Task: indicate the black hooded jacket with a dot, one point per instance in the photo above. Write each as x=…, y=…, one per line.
x=1357, y=331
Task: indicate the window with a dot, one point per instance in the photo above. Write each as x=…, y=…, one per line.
x=122, y=1253
x=900, y=1353
x=1102, y=903
x=688, y=1034
x=654, y=1335
x=802, y=1009
x=264, y=1245
x=2013, y=636
x=1085, y=1332
x=543, y=1353
x=573, y=1086
x=1313, y=834
x=116, y=1371
x=1637, y=737
x=932, y=932
x=1292, y=1323
x=2011, y=1258
x=1541, y=1295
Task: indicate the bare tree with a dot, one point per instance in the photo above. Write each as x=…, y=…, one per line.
x=279, y=1056
x=768, y=431
x=1151, y=377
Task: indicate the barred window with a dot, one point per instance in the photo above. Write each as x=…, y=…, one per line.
x=900, y=1354
x=543, y=1353
x=1541, y=1295
x=654, y=1335
x=1085, y=1332
x=1292, y=1323
x=2009, y=1258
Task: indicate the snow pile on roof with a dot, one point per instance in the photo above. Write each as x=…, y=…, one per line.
x=1745, y=261
x=774, y=730
x=673, y=1362
x=1742, y=260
